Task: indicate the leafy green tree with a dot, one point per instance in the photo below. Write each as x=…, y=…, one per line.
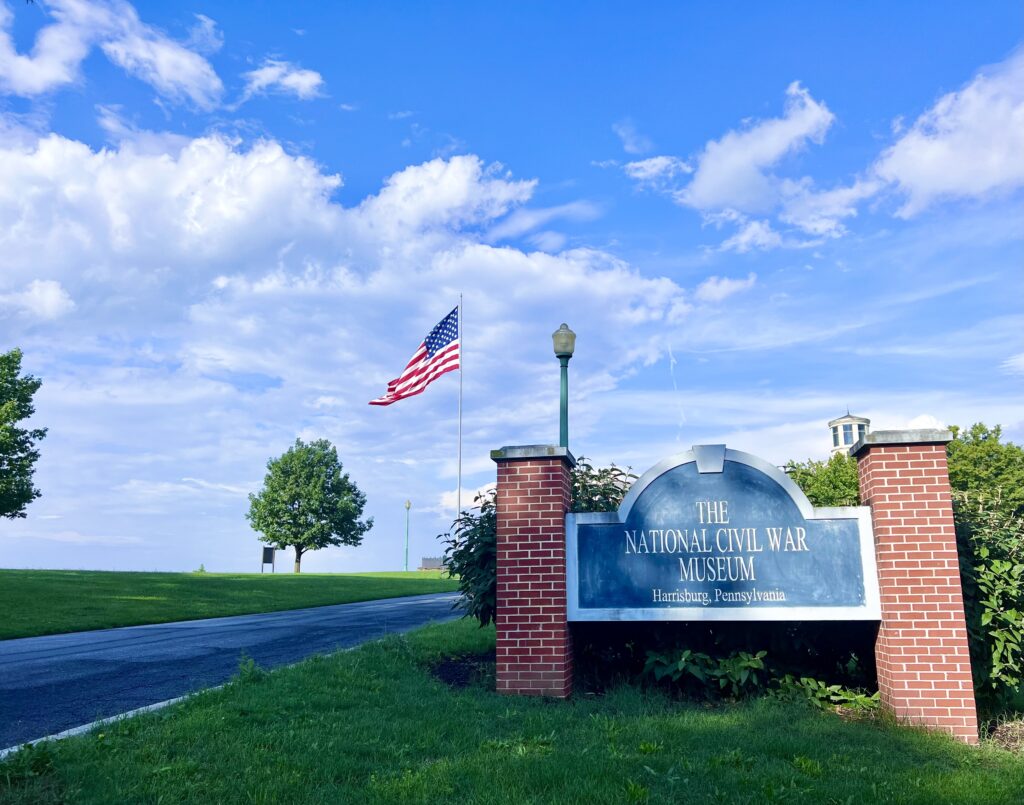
x=987, y=478
x=18, y=453
x=828, y=483
x=981, y=463
x=307, y=502
x=472, y=544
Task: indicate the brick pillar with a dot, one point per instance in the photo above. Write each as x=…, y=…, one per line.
x=924, y=667
x=534, y=644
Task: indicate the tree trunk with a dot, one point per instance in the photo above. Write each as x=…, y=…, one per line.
x=298, y=561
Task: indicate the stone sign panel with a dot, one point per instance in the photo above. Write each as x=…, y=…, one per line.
x=718, y=534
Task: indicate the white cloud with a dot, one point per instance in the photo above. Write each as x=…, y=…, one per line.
x=204, y=36
x=453, y=193
x=176, y=72
x=716, y=289
x=524, y=220
x=731, y=171
x=58, y=51
x=549, y=241
x=62, y=198
x=41, y=299
x=820, y=213
x=403, y=115
x=142, y=490
x=121, y=131
x=752, y=235
x=22, y=130
x=970, y=144
x=1015, y=364
x=633, y=142
x=655, y=171
x=77, y=538
x=731, y=179
x=448, y=501
x=275, y=75
x=925, y=422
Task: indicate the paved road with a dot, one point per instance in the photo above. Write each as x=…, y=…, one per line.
x=49, y=684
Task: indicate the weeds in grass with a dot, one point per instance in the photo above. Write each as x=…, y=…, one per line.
x=824, y=696
x=521, y=747
x=248, y=671
x=635, y=792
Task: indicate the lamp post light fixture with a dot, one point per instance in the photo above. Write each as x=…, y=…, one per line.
x=564, y=341
x=408, y=505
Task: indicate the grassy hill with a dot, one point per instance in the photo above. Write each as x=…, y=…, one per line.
x=37, y=602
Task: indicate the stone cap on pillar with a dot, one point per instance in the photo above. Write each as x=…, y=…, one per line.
x=899, y=437
x=529, y=451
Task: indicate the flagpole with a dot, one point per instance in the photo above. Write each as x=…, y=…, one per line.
x=462, y=354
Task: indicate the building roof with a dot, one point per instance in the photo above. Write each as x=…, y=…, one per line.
x=849, y=418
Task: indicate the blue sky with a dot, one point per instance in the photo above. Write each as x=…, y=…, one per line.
x=226, y=225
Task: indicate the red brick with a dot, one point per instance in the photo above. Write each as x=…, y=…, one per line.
x=533, y=632
x=921, y=652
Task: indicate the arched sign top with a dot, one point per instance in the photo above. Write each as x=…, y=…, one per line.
x=711, y=458
x=719, y=534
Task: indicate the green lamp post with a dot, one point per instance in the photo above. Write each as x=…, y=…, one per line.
x=564, y=341
x=408, y=505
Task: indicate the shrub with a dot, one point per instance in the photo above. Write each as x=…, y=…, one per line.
x=736, y=676
x=599, y=489
x=471, y=551
x=472, y=555
x=822, y=695
x=991, y=546
x=742, y=674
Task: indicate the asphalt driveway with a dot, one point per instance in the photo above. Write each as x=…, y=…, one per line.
x=52, y=683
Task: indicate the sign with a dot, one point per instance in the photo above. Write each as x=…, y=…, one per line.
x=268, y=559
x=717, y=534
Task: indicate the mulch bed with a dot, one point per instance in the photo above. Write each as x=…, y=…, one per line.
x=1009, y=735
x=461, y=672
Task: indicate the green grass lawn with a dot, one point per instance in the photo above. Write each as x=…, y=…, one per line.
x=37, y=602
x=373, y=725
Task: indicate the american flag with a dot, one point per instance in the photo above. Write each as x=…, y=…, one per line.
x=439, y=353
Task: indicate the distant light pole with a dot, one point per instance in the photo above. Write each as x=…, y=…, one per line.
x=565, y=343
x=408, y=505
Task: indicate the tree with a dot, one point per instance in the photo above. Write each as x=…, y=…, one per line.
x=307, y=502
x=979, y=462
x=18, y=453
x=987, y=480
x=827, y=483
